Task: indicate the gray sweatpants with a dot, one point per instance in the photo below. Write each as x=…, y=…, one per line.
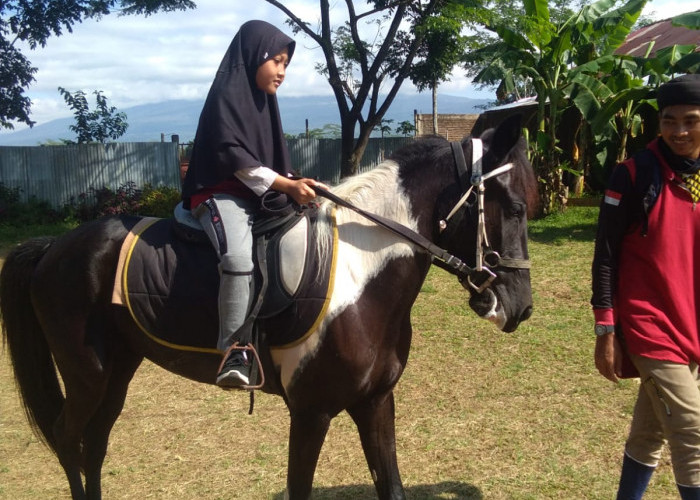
x=228, y=224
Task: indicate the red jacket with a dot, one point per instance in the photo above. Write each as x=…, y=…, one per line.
x=648, y=282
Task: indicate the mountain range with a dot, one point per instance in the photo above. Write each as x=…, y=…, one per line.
x=148, y=122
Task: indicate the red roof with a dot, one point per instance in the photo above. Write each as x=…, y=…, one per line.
x=663, y=34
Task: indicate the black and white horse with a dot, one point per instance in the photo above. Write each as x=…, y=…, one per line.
x=55, y=301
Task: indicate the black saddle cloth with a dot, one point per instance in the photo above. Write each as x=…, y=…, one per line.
x=171, y=288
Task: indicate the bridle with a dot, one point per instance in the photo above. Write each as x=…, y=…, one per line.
x=478, y=278
x=486, y=258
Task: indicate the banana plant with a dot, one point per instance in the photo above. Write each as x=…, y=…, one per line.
x=546, y=56
x=610, y=90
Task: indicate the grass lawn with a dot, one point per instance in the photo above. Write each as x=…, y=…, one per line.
x=480, y=414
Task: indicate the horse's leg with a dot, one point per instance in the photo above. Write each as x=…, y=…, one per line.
x=82, y=399
x=85, y=379
x=307, y=432
x=99, y=427
x=375, y=421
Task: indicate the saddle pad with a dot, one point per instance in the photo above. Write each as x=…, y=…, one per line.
x=170, y=287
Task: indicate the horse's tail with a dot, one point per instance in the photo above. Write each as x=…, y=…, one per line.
x=31, y=358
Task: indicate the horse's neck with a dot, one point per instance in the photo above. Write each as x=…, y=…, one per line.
x=364, y=248
x=379, y=192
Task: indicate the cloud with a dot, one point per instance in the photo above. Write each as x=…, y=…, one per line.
x=136, y=60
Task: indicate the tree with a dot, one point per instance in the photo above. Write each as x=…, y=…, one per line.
x=442, y=48
x=34, y=22
x=511, y=14
x=545, y=55
x=358, y=68
x=406, y=128
x=94, y=126
x=385, y=126
x=614, y=93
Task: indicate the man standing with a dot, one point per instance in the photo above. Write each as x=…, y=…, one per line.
x=646, y=292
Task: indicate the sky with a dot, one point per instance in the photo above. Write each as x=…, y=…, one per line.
x=138, y=60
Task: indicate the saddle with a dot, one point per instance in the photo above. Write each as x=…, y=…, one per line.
x=168, y=279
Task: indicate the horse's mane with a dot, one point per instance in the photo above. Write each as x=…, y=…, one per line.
x=372, y=190
x=377, y=191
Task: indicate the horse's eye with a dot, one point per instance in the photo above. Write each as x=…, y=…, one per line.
x=517, y=209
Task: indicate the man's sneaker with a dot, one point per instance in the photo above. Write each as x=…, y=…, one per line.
x=235, y=371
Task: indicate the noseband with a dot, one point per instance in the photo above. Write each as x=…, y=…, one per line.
x=486, y=258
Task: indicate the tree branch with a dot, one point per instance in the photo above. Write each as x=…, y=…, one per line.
x=380, y=9
x=301, y=24
x=361, y=50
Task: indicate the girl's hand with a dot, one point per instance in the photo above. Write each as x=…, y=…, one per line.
x=301, y=190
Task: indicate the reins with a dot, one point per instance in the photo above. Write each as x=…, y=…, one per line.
x=453, y=263
x=480, y=277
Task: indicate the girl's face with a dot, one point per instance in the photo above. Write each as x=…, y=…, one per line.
x=270, y=74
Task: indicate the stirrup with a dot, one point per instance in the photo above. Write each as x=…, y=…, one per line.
x=255, y=357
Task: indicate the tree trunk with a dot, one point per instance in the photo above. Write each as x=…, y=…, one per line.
x=435, y=113
x=352, y=149
x=348, y=162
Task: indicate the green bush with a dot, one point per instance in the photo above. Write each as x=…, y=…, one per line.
x=126, y=200
x=103, y=201
x=158, y=201
x=16, y=213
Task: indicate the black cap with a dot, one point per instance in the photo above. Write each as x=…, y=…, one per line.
x=684, y=89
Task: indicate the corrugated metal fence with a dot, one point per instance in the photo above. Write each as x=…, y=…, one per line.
x=57, y=173
x=320, y=158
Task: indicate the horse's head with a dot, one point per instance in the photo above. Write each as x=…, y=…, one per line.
x=487, y=226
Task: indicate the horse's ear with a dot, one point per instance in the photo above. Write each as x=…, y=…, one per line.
x=506, y=136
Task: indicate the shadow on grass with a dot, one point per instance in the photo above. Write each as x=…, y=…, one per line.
x=449, y=489
x=551, y=234
x=574, y=224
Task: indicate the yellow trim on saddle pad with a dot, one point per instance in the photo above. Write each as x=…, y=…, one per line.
x=120, y=294
x=327, y=300
x=125, y=251
x=122, y=272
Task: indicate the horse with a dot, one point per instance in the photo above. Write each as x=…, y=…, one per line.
x=58, y=316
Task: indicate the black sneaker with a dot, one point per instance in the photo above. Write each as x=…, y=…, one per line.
x=235, y=371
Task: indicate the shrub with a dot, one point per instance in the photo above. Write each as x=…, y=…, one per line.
x=159, y=201
x=103, y=201
x=126, y=200
x=16, y=213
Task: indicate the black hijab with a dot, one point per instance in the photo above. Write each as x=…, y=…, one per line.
x=240, y=124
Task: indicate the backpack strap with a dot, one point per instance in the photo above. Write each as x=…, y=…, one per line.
x=645, y=175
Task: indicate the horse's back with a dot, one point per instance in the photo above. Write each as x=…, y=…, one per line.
x=76, y=274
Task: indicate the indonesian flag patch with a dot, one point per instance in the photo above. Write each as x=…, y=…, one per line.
x=612, y=198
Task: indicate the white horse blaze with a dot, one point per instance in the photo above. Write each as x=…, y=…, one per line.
x=496, y=314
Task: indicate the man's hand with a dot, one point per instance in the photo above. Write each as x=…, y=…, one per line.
x=608, y=356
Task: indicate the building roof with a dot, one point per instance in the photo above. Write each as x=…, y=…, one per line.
x=663, y=34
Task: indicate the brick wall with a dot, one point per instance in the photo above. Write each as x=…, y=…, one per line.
x=452, y=127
